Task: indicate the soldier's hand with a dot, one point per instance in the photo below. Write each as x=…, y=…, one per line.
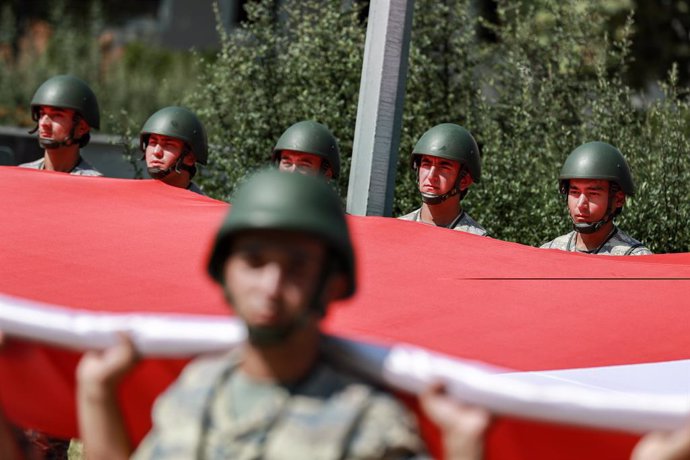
x=462, y=426
x=104, y=369
x=664, y=446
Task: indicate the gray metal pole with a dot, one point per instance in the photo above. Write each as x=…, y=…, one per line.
x=379, y=112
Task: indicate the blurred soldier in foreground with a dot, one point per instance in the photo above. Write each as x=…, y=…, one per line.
x=282, y=256
x=173, y=140
x=595, y=179
x=65, y=110
x=308, y=147
x=446, y=162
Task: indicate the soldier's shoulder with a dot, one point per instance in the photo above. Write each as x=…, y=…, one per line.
x=36, y=164
x=178, y=412
x=623, y=244
x=411, y=216
x=187, y=393
x=560, y=242
x=203, y=367
x=84, y=168
x=386, y=428
x=469, y=225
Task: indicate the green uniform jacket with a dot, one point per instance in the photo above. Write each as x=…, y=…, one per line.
x=213, y=411
x=83, y=168
x=618, y=244
x=462, y=223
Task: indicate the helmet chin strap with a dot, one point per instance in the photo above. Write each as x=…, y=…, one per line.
x=587, y=228
x=431, y=198
x=51, y=144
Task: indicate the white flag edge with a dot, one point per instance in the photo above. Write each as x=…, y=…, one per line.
x=553, y=397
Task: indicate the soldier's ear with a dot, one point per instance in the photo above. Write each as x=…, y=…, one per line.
x=336, y=286
x=465, y=182
x=81, y=128
x=619, y=199
x=189, y=159
x=326, y=169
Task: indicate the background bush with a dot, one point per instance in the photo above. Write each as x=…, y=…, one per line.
x=531, y=82
x=131, y=83
x=550, y=78
x=302, y=61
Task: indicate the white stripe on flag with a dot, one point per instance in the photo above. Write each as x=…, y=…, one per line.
x=636, y=398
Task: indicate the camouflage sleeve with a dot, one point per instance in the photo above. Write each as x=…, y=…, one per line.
x=387, y=430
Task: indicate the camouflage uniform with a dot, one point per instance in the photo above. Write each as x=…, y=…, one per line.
x=214, y=411
x=617, y=244
x=83, y=168
x=462, y=223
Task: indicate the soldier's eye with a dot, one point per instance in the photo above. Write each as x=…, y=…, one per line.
x=253, y=259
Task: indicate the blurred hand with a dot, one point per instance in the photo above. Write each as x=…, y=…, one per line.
x=104, y=369
x=664, y=446
x=462, y=426
x=101, y=425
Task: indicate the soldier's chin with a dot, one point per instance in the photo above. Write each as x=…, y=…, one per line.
x=158, y=173
x=48, y=143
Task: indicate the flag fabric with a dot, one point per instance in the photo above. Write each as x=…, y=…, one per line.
x=580, y=353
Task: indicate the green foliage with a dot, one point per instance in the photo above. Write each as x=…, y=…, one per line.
x=659, y=150
x=302, y=61
x=131, y=82
x=552, y=79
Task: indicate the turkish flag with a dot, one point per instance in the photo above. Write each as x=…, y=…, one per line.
x=578, y=353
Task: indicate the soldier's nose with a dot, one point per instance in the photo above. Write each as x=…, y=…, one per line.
x=272, y=278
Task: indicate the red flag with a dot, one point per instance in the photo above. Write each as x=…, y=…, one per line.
x=84, y=257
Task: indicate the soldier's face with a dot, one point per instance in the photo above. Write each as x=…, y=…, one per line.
x=271, y=277
x=588, y=199
x=437, y=175
x=55, y=123
x=162, y=152
x=300, y=162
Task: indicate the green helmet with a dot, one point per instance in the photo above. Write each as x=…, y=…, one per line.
x=274, y=200
x=597, y=160
x=67, y=92
x=179, y=123
x=310, y=137
x=452, y=142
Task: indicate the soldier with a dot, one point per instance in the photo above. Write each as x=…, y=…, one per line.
x=65, y=110
x=308, y=147
x=173, y=140
x=446, y=162
x=595, y=179
x=282, y=256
